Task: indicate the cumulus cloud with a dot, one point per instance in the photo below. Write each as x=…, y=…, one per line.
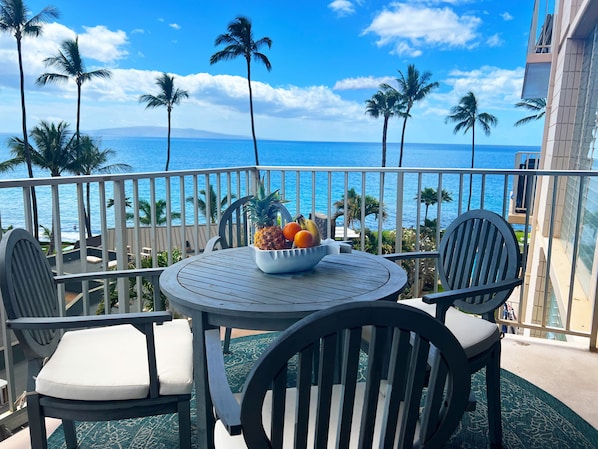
x=176, y=26
x=364, y=82
x=102, y=44
x=506, y=16
x=342, y=7
x=494, y=87
x=411, y=27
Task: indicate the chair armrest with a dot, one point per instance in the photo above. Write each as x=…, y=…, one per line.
x=444, y=300
x=412, y=255
x=112, y=274
x=227, y=409
x=211, y=244
x=74, y=322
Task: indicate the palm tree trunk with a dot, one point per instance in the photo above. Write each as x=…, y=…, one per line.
x=168, y=143
x=88, y=212
x=384, y=131
x=472, y=164
x=257, y=161
x=403, y=138
x=26, y=141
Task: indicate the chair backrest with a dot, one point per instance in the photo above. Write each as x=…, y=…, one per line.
x=479, y=248
x=233, y=227
x=420, y=403
x=28, y=290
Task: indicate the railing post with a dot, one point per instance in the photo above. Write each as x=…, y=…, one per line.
x=122, y=262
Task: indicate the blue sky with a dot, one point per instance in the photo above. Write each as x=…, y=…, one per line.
x=328, y=57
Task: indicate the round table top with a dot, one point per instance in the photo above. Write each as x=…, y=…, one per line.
x=233, y=292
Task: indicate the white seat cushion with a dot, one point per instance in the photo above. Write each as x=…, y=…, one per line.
x=110, y=363
x=475, y=334
x=222, y=439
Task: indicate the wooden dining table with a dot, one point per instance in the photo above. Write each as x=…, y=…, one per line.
x=225, y=288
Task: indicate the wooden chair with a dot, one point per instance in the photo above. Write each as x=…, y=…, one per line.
x=233, y=231
x=112, y=367
x=362, y=410
x=479, y=265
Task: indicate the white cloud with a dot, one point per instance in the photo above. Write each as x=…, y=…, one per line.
x=409, y=28
x=364, y=82
x=495, y=40
x=342, y=7
x=506, y=16
x=494, y=87
x=102, y=44
x=176, y=26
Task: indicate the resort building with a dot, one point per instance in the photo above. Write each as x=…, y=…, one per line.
x=562, y=270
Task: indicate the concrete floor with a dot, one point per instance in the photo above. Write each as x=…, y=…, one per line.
x=567, y=371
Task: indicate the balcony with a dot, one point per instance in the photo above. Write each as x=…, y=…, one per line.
x=539, y=51
x=550, y=306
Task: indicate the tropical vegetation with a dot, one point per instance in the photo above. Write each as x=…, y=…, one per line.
x=168, y=97
x=239, y=41
x=467, y=115
x=146, y=213
x=202, y=205
x=536, y=105
x=352, y=213
x=15, y=19
x=429, y=197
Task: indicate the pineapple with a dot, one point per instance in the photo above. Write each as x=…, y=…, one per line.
x=262, y=210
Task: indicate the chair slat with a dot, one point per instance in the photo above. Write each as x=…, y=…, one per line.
x=304, y=377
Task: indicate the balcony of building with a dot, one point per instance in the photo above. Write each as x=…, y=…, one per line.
x=553, y=322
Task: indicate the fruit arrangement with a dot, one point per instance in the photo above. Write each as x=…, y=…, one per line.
x=263, y=211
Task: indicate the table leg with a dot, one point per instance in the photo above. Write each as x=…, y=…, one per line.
x=203, y=401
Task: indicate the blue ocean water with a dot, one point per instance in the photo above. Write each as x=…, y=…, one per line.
x=146, y=154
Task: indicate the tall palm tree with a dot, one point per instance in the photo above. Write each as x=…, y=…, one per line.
x=203, y=205
x=14, y=20
x=69, y=63
x=466, y=114
x=536, y=105
x=91, y=160
x=239, y=42
x=411, y=88
x=168, y=97
x=386, y=103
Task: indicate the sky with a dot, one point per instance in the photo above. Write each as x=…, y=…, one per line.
x=328, y=57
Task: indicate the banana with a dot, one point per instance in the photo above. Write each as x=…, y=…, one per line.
x=310, y=226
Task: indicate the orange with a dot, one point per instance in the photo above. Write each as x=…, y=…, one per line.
x=290, y=229
x=304, y=239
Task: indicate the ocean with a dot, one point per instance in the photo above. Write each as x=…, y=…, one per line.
x=148, y=154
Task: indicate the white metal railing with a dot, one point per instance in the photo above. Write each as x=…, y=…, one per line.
x=127, y=244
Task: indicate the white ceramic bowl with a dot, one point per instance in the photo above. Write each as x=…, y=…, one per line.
x=288, y=260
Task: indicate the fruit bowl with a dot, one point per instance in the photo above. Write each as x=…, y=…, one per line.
x=287, y=260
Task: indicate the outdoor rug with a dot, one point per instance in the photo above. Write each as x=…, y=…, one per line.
x=531, y=417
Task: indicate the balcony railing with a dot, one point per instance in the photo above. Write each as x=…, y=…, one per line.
x=179, y=227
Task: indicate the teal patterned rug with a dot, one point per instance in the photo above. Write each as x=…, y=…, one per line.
x=532, y=419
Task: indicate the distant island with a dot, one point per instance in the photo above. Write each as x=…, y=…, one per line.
x=157, y=131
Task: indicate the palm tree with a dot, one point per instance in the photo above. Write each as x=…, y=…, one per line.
x=54, y=149
x=14, y=20
x=466, y=114
x=412, y=88
x=239, y=42
x=429, y=197
x=203, y=207
x=90, y=160
x=168, y=97
x=386, y=103
x=536, y=105
x=69, y=62
x=145, y=216
x=353, y=212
